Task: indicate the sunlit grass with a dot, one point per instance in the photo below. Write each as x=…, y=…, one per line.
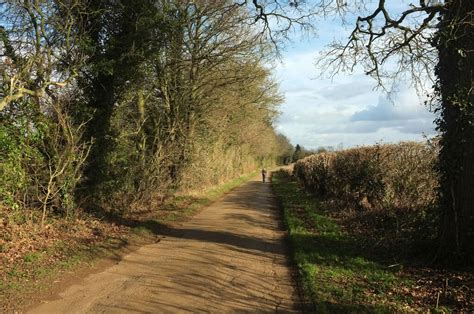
x=178, y=208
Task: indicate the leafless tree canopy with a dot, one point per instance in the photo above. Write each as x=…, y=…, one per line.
x=390, y=46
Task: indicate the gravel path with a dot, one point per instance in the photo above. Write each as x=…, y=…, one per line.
x=230, y=257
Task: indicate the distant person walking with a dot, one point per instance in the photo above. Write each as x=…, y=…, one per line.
x=264, y=175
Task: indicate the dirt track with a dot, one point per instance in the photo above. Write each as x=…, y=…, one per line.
x=230, y=257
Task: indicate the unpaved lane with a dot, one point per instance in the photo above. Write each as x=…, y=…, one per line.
x=230, y=257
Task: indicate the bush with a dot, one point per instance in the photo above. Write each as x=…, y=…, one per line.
x=398, y=177
x=16, y=153
x=314, y=172
x=410, y=180
x=41, y=158
x=357, y=177
x=393, y=187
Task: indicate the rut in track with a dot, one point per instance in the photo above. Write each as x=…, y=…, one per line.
x=229, y=257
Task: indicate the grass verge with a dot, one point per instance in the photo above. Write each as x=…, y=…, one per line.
x=178, y=208
x=335, y=272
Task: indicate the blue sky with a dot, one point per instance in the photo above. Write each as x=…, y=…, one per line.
x=319, y=111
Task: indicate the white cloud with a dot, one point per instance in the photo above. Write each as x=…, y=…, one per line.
x=403, y=106
x=325, y=112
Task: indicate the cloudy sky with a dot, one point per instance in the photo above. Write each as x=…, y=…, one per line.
x=346, y=109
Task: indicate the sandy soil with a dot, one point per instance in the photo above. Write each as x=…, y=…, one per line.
x=228, y=258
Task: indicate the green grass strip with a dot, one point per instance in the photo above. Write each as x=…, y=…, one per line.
x=336, y=275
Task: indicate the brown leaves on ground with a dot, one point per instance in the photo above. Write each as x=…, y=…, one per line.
x=25, y=242
x=433, y=286
x=445, y=288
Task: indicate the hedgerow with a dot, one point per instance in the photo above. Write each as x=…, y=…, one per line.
x=391, y=187
x=396, y=176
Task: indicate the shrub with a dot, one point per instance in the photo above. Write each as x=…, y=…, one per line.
x=314, y=172
x=15, y=156
x=357, y=177
x=399, y=177
x=410, y=180
x=394, y=188
x=41, y=158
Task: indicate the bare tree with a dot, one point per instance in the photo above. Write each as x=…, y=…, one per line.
x=39, y=47
x=40, y=57
x=430, y=43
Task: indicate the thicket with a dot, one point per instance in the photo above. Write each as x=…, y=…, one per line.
x=115, y=105
x=392, y=187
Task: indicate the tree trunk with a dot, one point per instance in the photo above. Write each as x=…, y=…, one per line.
x=455, y=44
x=99, y=128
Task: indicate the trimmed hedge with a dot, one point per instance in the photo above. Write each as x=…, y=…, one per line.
x=399, y=177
